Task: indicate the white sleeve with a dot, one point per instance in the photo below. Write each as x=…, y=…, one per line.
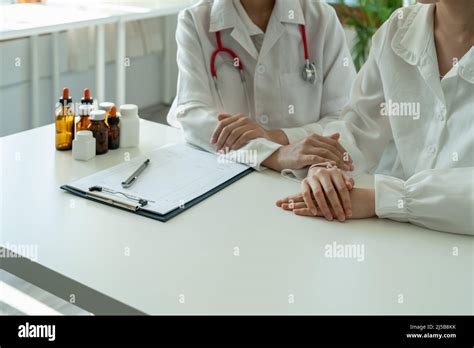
x=195, y=108
x=364, y=132
x=338, y=75
x=439, y=199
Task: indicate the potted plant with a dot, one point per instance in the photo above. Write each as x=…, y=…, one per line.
x=365, y=18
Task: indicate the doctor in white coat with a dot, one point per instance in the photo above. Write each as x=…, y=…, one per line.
x=263, y=77
x=411, y=122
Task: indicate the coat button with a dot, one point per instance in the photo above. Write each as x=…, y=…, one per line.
x=431, y=149
x=261, y=69
x=442, y=113
x=263, y=119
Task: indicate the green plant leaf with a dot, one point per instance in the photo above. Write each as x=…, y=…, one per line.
x=375, y=13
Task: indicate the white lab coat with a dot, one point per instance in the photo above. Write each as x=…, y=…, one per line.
x=424, y=165
x=279, y=97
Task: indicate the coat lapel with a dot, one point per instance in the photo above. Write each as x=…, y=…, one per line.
x=274, y=32
x=241, y=35
x=285, y=11
x=225, y=16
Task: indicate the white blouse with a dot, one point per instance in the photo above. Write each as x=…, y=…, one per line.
x=413, y=130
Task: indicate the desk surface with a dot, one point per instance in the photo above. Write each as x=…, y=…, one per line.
x=189, y=264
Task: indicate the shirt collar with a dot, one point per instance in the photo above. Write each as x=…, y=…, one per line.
x=466, y=66
x=224, y=14
x=411, y=40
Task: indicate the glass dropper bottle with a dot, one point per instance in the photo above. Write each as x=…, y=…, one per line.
x=64, y=122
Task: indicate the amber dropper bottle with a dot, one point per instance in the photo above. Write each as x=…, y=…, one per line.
x=114, y=129
x=65, y=122
x=84, y=111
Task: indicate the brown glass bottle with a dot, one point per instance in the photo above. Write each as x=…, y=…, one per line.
x=107, y=107
x=114, y=129
x=65, y=122
x=84, y=121
x=100, y=131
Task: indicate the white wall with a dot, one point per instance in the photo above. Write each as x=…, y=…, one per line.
x=144, y=77
x=151, y=79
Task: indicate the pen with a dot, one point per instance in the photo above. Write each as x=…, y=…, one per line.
x=131, y=180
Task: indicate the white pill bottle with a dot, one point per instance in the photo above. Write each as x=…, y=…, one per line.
x=129, y=126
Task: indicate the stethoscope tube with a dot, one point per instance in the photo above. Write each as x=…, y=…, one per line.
x=309, y=70
x=222, y=49
x=305, y=42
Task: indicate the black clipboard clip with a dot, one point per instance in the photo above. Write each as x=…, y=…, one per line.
x=141, y=201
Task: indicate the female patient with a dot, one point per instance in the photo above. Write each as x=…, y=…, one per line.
x=247, y=80
x=410, y=120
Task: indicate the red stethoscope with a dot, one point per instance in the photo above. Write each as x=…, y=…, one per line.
x=309, y=69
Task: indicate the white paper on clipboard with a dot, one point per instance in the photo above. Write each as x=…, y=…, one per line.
x=176, y=175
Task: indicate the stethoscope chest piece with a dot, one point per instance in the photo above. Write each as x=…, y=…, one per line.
x=309, y=73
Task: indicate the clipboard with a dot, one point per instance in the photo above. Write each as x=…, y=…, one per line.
x=229, y=175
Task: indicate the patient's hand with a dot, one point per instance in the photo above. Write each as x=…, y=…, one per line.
x=363, y=204
x=329, y=187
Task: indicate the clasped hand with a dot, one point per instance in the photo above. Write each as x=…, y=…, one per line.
x=329, y=193
x=234, y=132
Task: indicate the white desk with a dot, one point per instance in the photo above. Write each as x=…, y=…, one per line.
x=81, y=247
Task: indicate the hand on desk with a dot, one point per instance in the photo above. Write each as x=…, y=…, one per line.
x=233, y=132
x=311, y=150
x=363, y=202
x=327, y=192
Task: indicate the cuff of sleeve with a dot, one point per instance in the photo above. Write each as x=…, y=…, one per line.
x=296, y=134
x=390, y=198
x=263, y=149
x=295, y=174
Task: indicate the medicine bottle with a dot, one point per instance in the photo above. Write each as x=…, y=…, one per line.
x=114, y=129
x=129, y=126
x=65, y=122
x=100, y=131
x=106, y=106
x=84, y=121
x=83, y=146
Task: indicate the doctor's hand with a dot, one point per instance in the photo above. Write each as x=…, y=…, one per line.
x=311, y=150
x=363, y=201
x=233, y=132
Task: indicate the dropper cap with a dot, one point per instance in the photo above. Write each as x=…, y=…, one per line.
x=66, y=97
x=113, y=117
x=113, y=112
x=87, y=99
